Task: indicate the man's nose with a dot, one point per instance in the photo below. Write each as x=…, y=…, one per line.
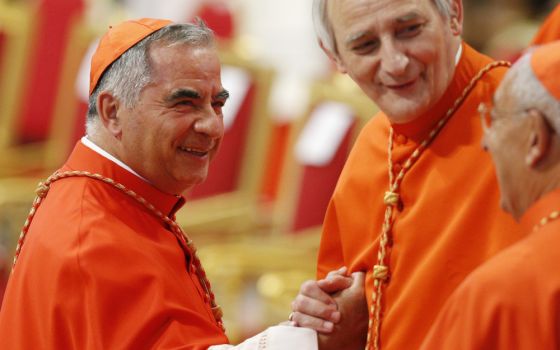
x=393, y=60
x=211, y=124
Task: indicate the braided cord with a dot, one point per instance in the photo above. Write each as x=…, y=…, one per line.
x=392, y=200
x=186, y=243
x=545, y=220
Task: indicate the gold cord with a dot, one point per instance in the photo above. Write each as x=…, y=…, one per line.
x=381, y=271
x=545, y=220
x=186, y=243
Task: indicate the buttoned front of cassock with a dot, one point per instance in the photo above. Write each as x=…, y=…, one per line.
x=448, y=221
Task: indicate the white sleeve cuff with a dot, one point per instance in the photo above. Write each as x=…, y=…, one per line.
x=277, y=338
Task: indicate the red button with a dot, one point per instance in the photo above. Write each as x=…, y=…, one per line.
x=401, y=139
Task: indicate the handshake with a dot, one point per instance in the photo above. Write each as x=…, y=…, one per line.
x=336, y=308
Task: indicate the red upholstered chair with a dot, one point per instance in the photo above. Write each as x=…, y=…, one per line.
x=318, y=147
x=54, y=20
x=39, y=39
x=36, y=160
x=22, y=167
x=71, y=104
x=16, y=32
x=229, y=199
x=218, y=15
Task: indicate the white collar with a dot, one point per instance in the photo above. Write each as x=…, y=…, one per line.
x=458, y=55
x=89, y=144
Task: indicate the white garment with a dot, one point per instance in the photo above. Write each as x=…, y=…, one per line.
x=277, y=338
x=94, y=147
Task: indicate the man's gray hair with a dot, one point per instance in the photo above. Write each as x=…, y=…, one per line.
x=323, y=26
x=130, y=73
x=528, y=92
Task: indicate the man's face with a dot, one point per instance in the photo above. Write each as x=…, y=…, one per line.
x=505, y=134
x=175, y=129
x=400, y=52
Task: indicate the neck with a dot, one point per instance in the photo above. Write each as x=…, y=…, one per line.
x=542, y=182
x=535, y=215
x=91, y=144
x=102, y=142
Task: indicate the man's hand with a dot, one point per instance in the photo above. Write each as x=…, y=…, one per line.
x=351, y=330
x=314, y=307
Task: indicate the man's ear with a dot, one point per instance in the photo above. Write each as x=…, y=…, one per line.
x=456, y=17
x=539, y=138
x=334, y=58
x=107, y=109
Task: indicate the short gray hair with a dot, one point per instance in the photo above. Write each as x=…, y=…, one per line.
x=130, y=73
x=323, y=26
x=528, y=92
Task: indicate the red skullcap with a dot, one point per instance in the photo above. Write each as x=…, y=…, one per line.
x=117, y=41
x=545, y=62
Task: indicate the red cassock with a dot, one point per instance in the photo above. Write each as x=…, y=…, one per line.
x=450, y=221
x=512, y=301
x=99, y=271
x=550, y=29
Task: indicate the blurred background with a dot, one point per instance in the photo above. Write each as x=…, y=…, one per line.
x=289, y=126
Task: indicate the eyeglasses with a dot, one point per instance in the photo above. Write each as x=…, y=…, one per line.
x=488, y=116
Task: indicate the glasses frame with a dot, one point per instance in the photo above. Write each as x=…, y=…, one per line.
x=487, y=119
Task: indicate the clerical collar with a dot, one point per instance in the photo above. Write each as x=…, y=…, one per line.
x=539, y=209
x=468, y=65
x=91, y=145
x=458, y=55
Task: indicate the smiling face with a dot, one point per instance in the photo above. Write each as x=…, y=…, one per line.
x=175, y=128
x=400, y=52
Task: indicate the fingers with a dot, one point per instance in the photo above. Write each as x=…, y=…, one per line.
x=334, y=283
x=318, y=324
x=312, y=290
x=341, y=271
x=358, y=279
x=314, y=308
x=356, y=291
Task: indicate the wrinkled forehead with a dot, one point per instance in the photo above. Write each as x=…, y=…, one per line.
x=184, y=58
x=351, y=17
x=184, y=67
x=386, y=8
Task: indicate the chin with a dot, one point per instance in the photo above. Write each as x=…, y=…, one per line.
x=402, y=111
x=508, y=208
x=195, y=180
x=401, y=119
x=401, y=115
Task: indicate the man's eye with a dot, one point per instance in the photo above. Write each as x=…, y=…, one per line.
x=185, y=103
x=410, y=31
x=218, y=105
x=365, y=47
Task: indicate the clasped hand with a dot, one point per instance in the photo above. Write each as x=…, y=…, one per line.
x=336, y=308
